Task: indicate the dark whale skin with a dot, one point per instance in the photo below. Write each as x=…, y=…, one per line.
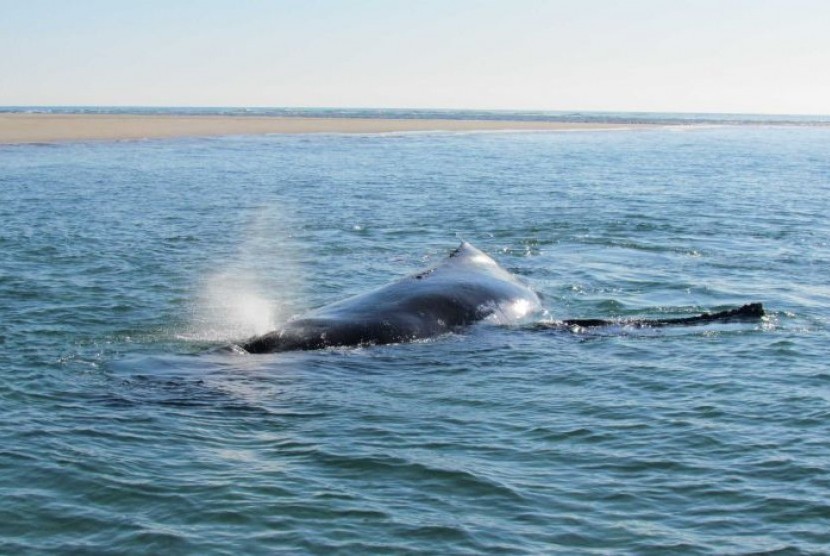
x=466, y=287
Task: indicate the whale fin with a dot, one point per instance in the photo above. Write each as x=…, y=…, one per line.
x=748, y=312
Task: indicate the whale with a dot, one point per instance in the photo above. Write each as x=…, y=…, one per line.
x=465, y=288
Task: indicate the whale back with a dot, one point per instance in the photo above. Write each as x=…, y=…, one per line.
x=466, y=287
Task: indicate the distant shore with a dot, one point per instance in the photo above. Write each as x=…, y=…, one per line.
x=51, y=128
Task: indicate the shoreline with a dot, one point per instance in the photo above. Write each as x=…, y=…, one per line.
x=17, y=128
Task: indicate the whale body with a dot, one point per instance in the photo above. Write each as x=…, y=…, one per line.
x=466, y=287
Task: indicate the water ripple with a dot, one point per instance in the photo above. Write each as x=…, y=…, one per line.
x=124, y=429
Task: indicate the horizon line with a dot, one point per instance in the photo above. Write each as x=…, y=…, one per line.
x=411, y=108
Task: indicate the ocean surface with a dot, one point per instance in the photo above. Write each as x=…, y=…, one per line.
x=124, y=265
x=667, y=118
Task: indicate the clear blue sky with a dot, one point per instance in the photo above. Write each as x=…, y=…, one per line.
x=768, y=56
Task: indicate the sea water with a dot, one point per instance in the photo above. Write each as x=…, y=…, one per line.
x=123, y=265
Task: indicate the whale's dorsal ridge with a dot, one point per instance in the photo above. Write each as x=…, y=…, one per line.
x=460, y=249
x=472, y=254
x=467, y=249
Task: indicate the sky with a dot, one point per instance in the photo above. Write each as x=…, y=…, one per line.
x=734, y=56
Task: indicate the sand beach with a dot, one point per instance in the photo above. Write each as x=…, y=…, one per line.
x=48, y=128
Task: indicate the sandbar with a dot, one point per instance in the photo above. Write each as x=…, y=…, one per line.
x=52, y=128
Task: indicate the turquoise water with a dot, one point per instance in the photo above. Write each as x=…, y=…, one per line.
x=122, y=265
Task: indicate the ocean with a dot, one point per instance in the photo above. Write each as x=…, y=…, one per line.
x=654, y=118
x=124, y=265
